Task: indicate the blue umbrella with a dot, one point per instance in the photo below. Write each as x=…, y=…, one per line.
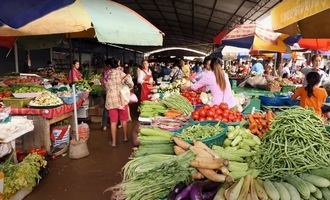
x=27, y=10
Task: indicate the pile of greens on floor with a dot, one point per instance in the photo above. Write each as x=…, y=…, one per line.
x=296, y=143
x=21, y=175
x=153, y=176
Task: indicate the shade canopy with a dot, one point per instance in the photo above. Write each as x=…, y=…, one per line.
x=315, y=44
x=28, y=10
x=255, y=37
x=112, y=23
x=310, y=18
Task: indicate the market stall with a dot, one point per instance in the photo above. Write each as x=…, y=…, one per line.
x=45, y=107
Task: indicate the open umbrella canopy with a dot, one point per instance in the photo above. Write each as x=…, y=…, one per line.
x=310, y=18
x=18, y=13
x=315, y=44
x=112, y=23
x=255, y=37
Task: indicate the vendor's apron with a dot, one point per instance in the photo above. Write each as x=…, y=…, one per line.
x=145, y=88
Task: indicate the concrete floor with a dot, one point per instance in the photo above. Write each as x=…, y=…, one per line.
x=87, y=178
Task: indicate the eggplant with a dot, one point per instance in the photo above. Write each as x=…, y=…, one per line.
x=209, y=195
x=208, y=186
x=176, y=190
x=196, y=191
x=184, y=194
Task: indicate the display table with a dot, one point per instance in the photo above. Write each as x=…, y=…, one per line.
x=17, y=127
x=42, y=120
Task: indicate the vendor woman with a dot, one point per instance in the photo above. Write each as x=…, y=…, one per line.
x=145, y=81
x=217, y=82
x=74, y=74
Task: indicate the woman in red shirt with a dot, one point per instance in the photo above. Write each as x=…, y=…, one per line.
x=74, y=74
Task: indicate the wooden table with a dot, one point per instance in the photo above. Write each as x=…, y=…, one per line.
x=40, y=136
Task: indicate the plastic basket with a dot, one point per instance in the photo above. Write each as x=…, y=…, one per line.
x=288, y=88
x=16, y=103
x=217, y=139
x=69, y=100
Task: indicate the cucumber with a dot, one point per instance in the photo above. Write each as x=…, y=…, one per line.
x=284, y=193
x=323, y=172
x=326, y=193
x=300, y=185
x=318, y=181
x=312, y=198
x=271, y=190
x=311, y=187
x=294, y=194
x=318, y=194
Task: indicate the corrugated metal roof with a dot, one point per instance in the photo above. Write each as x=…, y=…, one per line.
x=194, y=23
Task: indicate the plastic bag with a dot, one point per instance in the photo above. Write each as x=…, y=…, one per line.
x=83, y=130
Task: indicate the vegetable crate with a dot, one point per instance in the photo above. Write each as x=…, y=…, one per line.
x=288, y=88
x=217, y=139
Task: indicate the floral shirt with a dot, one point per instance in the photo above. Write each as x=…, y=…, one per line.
x=113, y=85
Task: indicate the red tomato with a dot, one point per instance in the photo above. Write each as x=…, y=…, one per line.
x=224, y=106
x=201, y=119
x=206, y=107
x=218, y=112
x=195, y=116
x=209, y=118
x=210, y=113
x=202, y=113
x=225, y=120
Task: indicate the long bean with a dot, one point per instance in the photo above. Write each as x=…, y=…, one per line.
x=297, y=142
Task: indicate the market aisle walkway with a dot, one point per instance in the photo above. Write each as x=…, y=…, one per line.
x=87, y=178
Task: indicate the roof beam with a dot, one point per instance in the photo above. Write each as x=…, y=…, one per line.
x=192, y=16
x=176, y=14
x=208, y=22
x=238, y=8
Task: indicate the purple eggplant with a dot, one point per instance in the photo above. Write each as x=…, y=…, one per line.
x=209, y=195
x=177, y=189
x=209, y=186
x=184, y=194
x=196, y=191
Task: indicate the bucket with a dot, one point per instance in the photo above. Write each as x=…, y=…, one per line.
x=78, y=149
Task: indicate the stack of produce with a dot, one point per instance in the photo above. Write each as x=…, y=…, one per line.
x=207, y=162
x=192, y=97
x=259, y=123
x=204, y=190
x=83, y=85
x=178, y=102
x=200, y=132
x=155, y=176
x=4, y=92
x=240, y=148
x=152, y=109
x=297, y=142
x=27, y=88
x=154, y=141
x=218, y=113
x=22, y=175
x=172, y=113
x=302, y=186
x=46, y=99
x=244, y=189
x=170, y=123
x=23, y=80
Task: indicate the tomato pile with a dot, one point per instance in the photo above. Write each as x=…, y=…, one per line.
x=5, y=94
x=217, y=112
x=193, y=97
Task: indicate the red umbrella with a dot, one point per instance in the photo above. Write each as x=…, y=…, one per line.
x=218, y=38
x=315, y=44
x=7, y=41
